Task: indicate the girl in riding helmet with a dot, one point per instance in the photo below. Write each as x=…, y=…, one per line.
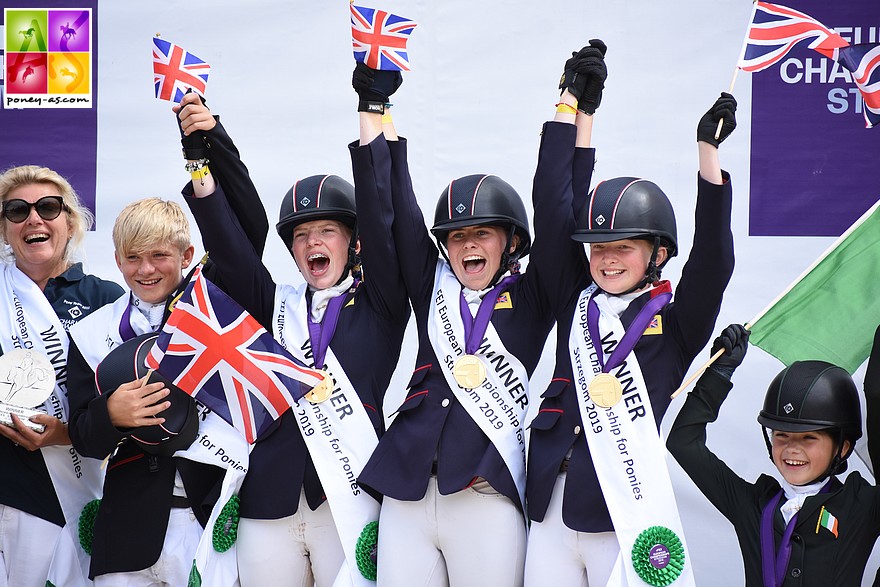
x=597, y=479
x=810, y=528
x=302, y=513
x=451, y=466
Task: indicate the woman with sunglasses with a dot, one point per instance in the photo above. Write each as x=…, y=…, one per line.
x=45, y=292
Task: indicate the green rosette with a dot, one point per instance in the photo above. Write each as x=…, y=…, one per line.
x=658, y=556
x=87, y=525
x=365, y=551
x=195, y=578
x=226, y=527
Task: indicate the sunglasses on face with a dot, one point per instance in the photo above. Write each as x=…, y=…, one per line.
x=48, y=207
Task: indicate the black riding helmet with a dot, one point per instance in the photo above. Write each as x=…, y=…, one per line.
x=319, y=197
x=630, y=208
x=127, y=363
x=478, y=200
x=814, y=395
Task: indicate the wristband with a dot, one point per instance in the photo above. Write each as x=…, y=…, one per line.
x=191, y=166
x=564, y=108
x=371, y=107
x=386, y=118
x=200, y=174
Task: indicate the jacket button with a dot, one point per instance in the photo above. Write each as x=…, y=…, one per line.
x=795, y=572
x=577, y=430
x=445, y=403
x=796, y=538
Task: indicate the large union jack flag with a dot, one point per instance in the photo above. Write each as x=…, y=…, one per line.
x=379, y=38
x=176, y=70
x=776, y=29
x=863, y=61
x=214, y=350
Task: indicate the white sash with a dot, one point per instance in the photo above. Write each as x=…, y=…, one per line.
x=629, y=456
x=217, y=444
x=337, y=432
x=499, y=405
x=27, y=320
x=98, y=333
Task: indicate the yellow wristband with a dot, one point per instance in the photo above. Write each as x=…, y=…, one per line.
x=564, y=108
x=200, y=173
x=386, y=118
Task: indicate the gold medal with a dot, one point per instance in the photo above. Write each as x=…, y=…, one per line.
x=322, y=391
x=605, y=390
x=469, y=371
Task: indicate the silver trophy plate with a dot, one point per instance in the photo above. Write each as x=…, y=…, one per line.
x=26, y=381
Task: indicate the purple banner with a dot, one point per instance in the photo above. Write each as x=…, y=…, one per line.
x=815, y=168
x=62, y=138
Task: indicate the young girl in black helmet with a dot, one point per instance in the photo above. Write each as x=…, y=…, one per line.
x=302, y=513
x=810, y=528
x=452, y=464
x=596, y=478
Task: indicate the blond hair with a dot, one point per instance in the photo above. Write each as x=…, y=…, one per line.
x=145, y=224
x=79, y=217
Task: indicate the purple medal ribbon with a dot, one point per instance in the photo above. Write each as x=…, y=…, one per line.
x=630, y=337
x=775, y=564
x=475, y=326
x=320, y=333
x=125, y=329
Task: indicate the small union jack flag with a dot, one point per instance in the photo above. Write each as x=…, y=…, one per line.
x=176, y=70
x=215, y=351
x=776, y=29
x=379, y=38
x=863, y=61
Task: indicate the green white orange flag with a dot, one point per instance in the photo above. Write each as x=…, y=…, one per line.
x=831, y=311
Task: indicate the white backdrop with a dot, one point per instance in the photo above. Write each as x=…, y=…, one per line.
x=483, y=80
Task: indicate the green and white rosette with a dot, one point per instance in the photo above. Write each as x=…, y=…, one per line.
x=365, y=552
x=658, y=556
x=225, y=530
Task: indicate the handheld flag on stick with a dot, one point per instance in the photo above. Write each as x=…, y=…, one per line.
x=176, y=70
x=830, y=312
x=379, y=38
x=775, y=30
x=863, y=61
x=214, y=350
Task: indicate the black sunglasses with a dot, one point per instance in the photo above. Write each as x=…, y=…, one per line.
x=48, y=207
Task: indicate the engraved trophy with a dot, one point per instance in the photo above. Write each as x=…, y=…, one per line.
x=26, y=381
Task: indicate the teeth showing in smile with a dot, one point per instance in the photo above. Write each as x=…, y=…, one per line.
x=318, y=262
x=612, y=272
x=148, y=281
x=794, y=463
x=473, y=263
x=36, y=238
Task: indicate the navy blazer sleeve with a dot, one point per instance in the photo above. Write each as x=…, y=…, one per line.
x=872, y=403
x=416, y=251
x=556, y=269
x=243, y=274
x=241, y=193
x=707, y=272
x=371, y=166
x=91, y=431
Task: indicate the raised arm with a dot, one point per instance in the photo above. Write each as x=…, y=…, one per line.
x=687, y=438
x=371, y=167
x=235, y=261
x=558, y=263
x=204, y=138
x=710, y=263
x=415, y=251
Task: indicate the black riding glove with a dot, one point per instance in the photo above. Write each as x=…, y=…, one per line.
x=735, y=341
x=724, y=107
